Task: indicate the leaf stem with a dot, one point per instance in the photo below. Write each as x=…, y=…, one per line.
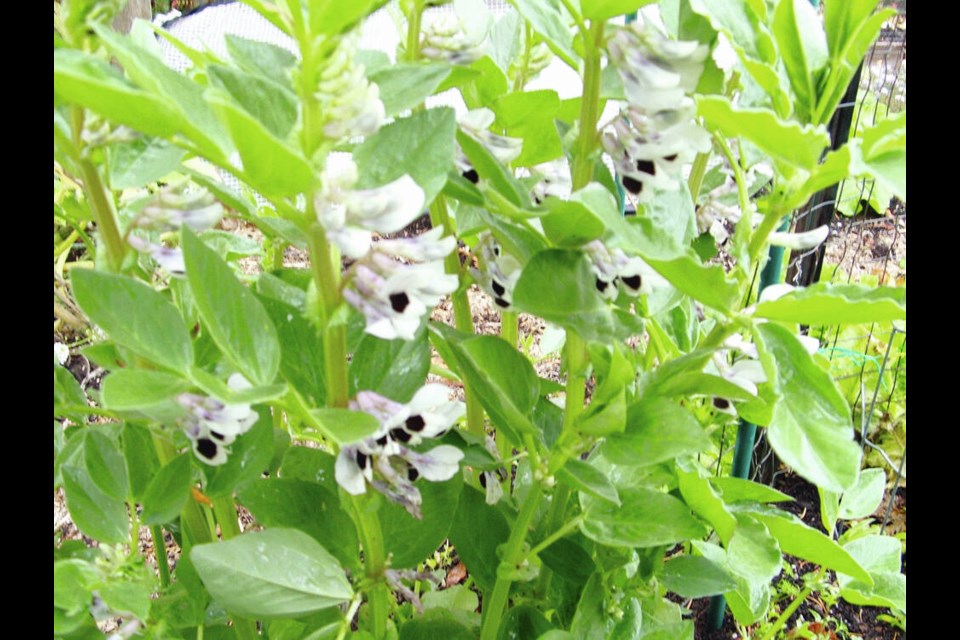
x=160, y=555
x=586, y=144
x=556, y=535
x=508, y=327
x=513, y=555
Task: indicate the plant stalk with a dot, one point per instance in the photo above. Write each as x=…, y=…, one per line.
x=784, y=617
x=513, y=555
x=160, y=554
x=374, y=560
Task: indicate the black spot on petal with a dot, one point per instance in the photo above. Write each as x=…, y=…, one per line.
x=400, y=435
x=602, y=285
x=412, y=474
x=498, y=288
x=503, y=304
x=670, y=158
x=382, y=441
x=399, y=301
x=362, y=459
x=218, y=436
x=721, y=403
x=207, y=448
x=415, y=424
x=647, y=166
x=483, y=480
x=633, y=282
x=472, y=175
x=631, y=185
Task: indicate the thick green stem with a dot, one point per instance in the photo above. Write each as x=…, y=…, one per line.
x=101, y=202
x=374, y=561
x=577, y=363
x=462, y=314
x=697, y=172
x=160, y=554
x=508, y=327
x=513, y=555
x=586, y=144
x=325, y=262
x=413, y=31
x=226, y=513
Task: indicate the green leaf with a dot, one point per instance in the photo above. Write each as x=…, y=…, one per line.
x=411, y=541
x=395, y=369
x=344, y=426
x=312, y=465
x=145, y=160
x=523, y=621
x=96, y=514
x=476, y=530
x=864, y=497
x=570, y=223
x=489, y=168
x=880, y=555
x=802, y=44
x=270, y=165
x=420, y=146
x=308, y=507
x=547, y=19
x=135, y=316
x=81, y=79
x=141, y=458
x=811, y=428
x=657, y=430
x=185, y=98
x=273, y=573
x=436, y=623
x=68, y=398
x=271, y=104
x=604, y=417
x=333, y=17
x=672, y=212
x=569, y=560
x=741, y=490
x=404, y=86
x=503, y=379
x=559, y=286
x=798, y=539
x=480, y=84
x=129, y=596
x=883, y=154
x=167, y=492
x=230, y=246
x=73, y=580
x=301, y=348
x=827, y=303
x=530, y=115
x=250, y=456
x=261, y=58
x=696, y=577
x=505, y=41
x=135, y=389
x=606, y=9
x=704, y=501
x=585, y=477
x=753, y=552
x=646, y=518
x=231, y=313
x=785, y=142
x=737, y=20
x=105, y=464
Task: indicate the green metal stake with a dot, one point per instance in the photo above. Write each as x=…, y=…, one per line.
x=747, y=431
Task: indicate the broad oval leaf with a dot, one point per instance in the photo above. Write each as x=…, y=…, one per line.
x=410, y=541
x=584, y=477
x=828, y=303
x=135, y=389
x=231, y=313
x=811, y=428
x=105, y=464
x=273, y=573
x=135, y=316
x=865, y=496
x=696, y=577
x=168, y=491
x=96, y=514
x=657, y=430
x=404, y=86
x=395, y=369
x=645, y=518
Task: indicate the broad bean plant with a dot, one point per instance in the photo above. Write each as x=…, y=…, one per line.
x=355, y=432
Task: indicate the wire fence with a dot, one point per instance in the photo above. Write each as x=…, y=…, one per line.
x=867, y=244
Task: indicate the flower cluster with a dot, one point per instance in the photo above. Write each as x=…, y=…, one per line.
x=349, y=103
x=393, y=295
x=496, y=272
x=385, y=459
x=657, y=134
x=615, y=272
x=476, y=124
x=445, y=39
x=212, y=425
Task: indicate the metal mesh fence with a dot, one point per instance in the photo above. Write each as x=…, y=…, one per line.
x=867, y=244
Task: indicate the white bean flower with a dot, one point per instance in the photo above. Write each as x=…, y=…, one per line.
x=213, y=425
x=497, y=272
x=385, y=460
x=615, y=271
